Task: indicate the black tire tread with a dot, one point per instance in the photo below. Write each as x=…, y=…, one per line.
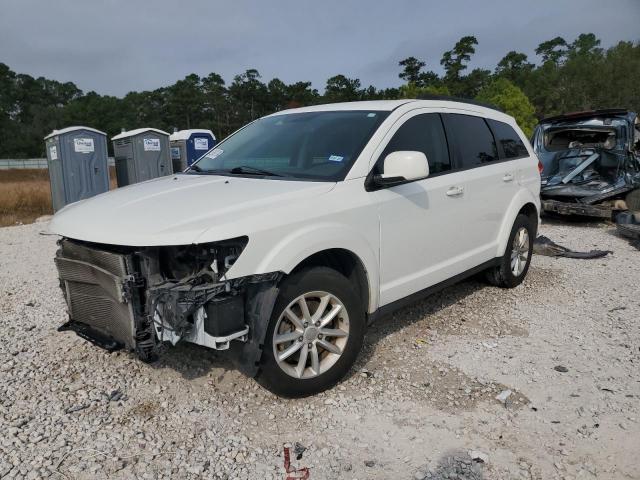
x=500, y=275
x=270, y=376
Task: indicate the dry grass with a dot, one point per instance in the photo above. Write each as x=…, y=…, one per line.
x=25, y=195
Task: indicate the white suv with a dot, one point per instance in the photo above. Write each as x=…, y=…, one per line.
x=285, y=241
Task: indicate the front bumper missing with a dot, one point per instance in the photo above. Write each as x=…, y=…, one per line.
x=97, y=287
x=111, y=305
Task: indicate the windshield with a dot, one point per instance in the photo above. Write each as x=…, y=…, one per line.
x=318, y=146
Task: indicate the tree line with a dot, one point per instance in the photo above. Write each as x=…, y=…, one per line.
x=566, y=76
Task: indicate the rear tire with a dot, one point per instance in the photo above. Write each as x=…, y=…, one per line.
x=314, y=335
x=514, y=264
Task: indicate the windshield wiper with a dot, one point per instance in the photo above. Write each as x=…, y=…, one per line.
x=254, y=170
x=206, y=171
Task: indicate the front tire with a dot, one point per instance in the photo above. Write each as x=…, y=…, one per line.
x=514, y=264
x=314, y=335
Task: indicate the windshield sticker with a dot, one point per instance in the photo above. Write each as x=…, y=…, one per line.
x=216, y=152
x=335, y=158
x=201, y=143
x=151, y=144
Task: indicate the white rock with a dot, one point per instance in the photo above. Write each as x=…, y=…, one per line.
x=502, y=396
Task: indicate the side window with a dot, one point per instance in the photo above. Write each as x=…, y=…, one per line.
x=472, y=141
x=508, y=139
x=421, y=133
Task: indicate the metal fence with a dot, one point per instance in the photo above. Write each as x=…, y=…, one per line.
x=23, y=163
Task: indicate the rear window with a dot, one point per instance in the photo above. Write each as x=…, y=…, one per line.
x=557, y=139
x=472, y=141
x=422, y=133
x=508, y=139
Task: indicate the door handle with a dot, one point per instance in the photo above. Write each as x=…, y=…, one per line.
x=455, y=191
x=508, y=177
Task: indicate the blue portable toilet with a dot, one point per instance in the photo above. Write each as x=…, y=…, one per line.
x=189, y=145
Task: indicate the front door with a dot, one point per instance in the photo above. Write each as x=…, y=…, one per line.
x=421, y=240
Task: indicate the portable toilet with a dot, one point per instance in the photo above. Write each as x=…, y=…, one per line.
x=189, y=145
x=140, y=155
x=77, y=162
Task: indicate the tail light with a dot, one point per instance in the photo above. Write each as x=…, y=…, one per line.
x=540, y=167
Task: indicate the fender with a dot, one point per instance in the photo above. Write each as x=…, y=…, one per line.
x=523, y=197
x=300, y=244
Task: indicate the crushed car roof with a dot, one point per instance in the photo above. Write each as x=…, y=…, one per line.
x=608, y=112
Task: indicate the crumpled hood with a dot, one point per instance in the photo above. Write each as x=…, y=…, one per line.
x=180, y=209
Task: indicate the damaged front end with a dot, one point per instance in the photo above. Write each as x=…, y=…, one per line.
x=590, y=161
x=140, y=298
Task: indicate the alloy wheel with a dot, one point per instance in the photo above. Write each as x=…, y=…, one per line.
x=519, y=251
x=311, y=334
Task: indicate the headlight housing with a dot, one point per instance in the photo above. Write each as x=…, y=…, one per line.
x=204, y=263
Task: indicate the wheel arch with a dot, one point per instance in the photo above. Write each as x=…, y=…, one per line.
x=530, y=210
x=346, y=263
x=524, y=202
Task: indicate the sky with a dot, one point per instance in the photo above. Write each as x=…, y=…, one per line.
x=116, y=46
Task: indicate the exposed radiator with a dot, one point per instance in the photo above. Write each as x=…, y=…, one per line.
x=94, y=284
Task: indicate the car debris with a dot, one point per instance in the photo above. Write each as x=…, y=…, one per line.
x=628, y=225
x=478, y=456
x=590, y=162
x=77, y=408
x=115, y=395
x=298, y=450
x=545, y=246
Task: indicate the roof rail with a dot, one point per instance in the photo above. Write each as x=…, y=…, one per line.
x=429, y=96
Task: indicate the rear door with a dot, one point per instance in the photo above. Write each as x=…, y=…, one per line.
x=485, y=185
x=512, y=149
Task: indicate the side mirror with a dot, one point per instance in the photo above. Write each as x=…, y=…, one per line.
x=402, y=167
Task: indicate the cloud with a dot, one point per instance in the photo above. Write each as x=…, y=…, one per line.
x=116, y=46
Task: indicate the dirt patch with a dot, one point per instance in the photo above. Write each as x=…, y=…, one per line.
x=145, y=409
x=412, y=376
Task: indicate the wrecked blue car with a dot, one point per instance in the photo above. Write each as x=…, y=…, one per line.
x=590, y=162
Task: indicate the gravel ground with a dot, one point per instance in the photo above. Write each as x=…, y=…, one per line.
x=421, y=402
